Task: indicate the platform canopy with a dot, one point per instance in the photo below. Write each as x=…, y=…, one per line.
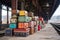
x=44, y=8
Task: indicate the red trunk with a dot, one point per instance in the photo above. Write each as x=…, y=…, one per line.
x=39, y=27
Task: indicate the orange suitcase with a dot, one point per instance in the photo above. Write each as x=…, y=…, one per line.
x=20, y=25
x=26, y=25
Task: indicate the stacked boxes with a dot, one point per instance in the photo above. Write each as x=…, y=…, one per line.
x=13, y=22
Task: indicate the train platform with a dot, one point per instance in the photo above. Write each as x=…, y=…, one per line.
x=48, y=33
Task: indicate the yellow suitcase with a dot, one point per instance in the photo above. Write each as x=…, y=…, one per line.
x=22, y=13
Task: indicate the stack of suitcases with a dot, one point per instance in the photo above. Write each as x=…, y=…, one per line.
x=13, y=21
x=23, y=24
x=31, y=23
x=12, y=25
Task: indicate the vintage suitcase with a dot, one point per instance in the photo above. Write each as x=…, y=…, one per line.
x=29, y=24
x=23, y=13
x=31, y=30
x=33, y=19
x=20, y=25
x=30, y=14
x=13, y=20
x=9, y=32
x=29, y=19
x=24, y=34
x=14, y=16
x=35, y=23
x=26, y=25
x=23, y=19
x=12, y=25
x=17, y=34
x=32, y=23
x=23, y=25
x=21, y=32
x=35, y=29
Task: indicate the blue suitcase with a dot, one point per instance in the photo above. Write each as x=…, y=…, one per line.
x=12, y=25
x=8, y=32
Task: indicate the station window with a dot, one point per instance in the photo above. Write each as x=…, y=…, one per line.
x=4, y=14
x=9, y=14
x=4, y=7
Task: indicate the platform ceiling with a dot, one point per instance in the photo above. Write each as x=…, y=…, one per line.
x=44, y=8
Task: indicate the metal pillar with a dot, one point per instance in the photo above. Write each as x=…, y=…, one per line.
x=14, y=6
x=47, y=16
x=0, y=15
x=7, y=16
x=22, y=5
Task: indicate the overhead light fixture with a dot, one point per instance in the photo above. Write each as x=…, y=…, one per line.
x=47, y=4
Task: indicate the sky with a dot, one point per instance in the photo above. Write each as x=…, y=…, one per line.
x=57, y=12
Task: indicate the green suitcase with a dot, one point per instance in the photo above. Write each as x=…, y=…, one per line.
x=23, y=19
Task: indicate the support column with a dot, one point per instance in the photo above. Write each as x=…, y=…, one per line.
x=14, y=6
x=7, y=15
x=22, y=5
x=0, y=15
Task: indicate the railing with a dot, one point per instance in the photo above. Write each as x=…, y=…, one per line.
x=3, y=27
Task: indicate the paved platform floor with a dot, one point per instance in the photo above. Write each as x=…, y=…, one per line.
x=48, y=33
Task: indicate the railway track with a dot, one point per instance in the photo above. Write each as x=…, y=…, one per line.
x=57, y=27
